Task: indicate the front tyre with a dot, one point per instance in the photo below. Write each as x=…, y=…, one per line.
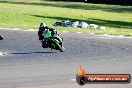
x=59, y=47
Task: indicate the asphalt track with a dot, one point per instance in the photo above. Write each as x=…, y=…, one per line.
x=27, y=65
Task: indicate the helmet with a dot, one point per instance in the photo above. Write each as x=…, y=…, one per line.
x=43, y=25
x=46, y=30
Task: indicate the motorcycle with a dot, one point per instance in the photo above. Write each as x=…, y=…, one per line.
x=55, y=42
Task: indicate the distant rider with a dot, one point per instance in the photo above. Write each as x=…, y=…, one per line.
x=43, y=34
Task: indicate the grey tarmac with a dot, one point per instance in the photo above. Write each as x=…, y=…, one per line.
x=25, y=64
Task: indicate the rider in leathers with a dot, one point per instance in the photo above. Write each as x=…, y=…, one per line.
x=42, y=30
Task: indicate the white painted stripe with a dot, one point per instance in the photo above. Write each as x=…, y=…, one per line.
x=10, y=29
x=18, y=29
x=113, y=36
x=31, y=30
x=4, y=28
x=78, y=32
x=92, y=33
x=1, y=53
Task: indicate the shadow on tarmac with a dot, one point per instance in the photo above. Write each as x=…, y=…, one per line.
x=32, y=53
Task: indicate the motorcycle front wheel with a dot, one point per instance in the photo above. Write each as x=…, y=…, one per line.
x=59, y=47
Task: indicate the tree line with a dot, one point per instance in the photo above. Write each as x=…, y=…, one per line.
x=114, y=2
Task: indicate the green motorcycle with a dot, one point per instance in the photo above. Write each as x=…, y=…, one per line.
x=53, y=42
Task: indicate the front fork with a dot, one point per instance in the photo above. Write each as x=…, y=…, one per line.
x=60, y=40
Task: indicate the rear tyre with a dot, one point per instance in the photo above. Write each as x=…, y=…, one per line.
x=44, y=44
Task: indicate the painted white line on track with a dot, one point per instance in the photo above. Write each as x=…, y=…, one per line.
x=78, y=32
x=92, y=33
x=17, y=29
x=113, y=36
x=4, y=28
x=31, y=30
x=10, y=29
x=1, y=54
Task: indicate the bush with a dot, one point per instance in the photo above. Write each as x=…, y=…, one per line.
x=115, y=2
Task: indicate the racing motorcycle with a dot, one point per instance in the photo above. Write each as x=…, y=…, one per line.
x=55, y=42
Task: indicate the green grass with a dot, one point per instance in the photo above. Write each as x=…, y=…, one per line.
x=28, y=14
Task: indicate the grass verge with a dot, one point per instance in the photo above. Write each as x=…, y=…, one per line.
x=28, y=14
